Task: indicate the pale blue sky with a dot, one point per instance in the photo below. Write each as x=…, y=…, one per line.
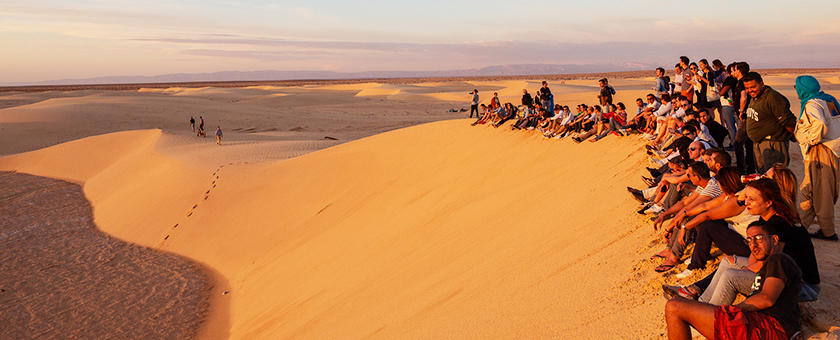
x=47, y=40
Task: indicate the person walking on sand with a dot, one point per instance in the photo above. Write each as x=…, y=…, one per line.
x=192, y=123
x=474, y=104
x=219, y=135
x=818, y=134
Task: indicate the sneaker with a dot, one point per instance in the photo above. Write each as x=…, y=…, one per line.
x=644, y=208
x=637, y=194
x=649, y=193
x=654, y=172
x=685, y=273
x=672, y=292
x=819, y=235
x=577, y=140
x=654, y=209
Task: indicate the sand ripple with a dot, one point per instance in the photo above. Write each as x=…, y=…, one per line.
x=60, y=277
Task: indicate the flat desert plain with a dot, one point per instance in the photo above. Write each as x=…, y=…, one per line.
x=369, y=210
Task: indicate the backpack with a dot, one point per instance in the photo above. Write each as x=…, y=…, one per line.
x=612, y=90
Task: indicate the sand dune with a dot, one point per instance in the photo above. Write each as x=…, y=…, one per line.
x=366, y=238
x=438, y=230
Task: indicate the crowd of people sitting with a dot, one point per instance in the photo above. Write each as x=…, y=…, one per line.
x=697, y=196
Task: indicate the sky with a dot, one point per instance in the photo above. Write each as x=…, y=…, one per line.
x=73, y=39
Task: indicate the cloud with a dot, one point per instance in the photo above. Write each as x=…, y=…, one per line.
x=264, y=56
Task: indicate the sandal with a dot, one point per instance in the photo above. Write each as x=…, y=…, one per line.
x=664, y=268
x=657, y=256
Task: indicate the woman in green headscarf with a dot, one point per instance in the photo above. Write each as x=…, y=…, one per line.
x=818, y=134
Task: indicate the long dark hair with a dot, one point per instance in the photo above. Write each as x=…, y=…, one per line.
x=770, y=191
x=729, y=179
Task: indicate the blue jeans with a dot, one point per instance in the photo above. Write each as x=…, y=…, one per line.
x=727, y=117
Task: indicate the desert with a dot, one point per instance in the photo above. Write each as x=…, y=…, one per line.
x=358, y=209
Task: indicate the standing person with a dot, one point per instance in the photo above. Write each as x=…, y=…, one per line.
x=606, y=94
x=546, y=98
x=697, y=86
x=219, y=136
x=818, y=134
x=676, y=86
x=192, y=123
x=719, y=75
x=709, y=92
x=769, y=123
x=744, y=155
x=727, y=111
x=687, y=75
x=474, y=104
x=661, y=86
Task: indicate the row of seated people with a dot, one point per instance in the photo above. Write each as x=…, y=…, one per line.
x=588, y=121
x=707, y=201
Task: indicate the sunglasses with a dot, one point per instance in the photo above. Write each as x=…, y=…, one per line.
x=756, y=238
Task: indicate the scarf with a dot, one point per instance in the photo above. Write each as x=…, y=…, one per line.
x=807, y=88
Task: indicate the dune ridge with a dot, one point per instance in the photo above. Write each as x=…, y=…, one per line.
x=385, y=236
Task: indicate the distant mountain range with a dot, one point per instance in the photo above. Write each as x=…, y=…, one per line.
x=267, y=75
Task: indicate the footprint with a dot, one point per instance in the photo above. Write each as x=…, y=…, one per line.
x=166, y=238
x=207, y=192
x=176, y=226
x=190, y=214
x=214, y=185
x=195, y=206
x=217, y=177
x=205, y=197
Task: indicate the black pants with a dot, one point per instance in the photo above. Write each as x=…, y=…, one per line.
x=745, y=157
x=474, y=108
x=727, y=240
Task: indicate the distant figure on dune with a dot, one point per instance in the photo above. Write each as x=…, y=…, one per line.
x=201, y=132
x=219, y=135
x=474, y=104
x=192, y=123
